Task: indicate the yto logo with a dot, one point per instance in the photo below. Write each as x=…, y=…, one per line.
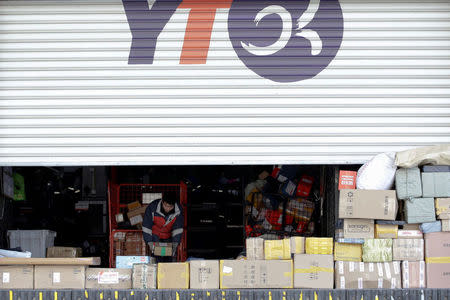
x=284, y=41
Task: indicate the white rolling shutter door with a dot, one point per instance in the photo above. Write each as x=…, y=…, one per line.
x=69, y=97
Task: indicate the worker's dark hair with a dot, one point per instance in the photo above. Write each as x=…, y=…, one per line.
x=169, y=197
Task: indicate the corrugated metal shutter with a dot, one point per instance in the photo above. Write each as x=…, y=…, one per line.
x=69, y=97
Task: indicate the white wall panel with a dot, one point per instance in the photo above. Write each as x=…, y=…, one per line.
x=69, y=97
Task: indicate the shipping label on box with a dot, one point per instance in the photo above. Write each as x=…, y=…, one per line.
x=413, y=274
x=144, y=276
x=313, y=271
x=127, y=262
x=347, y=252
x=386, y=231
x=16, y=277
x=277, y=249
x=204, y=274
x=173, y=275
x=368, y=204
x=437, y=258
x=318, y=245
x=256, y=274
x=377, y=250
x=255, y=248
x=59, y=277
x=354, y=275
x=408, y=249
x=410, y=234
x=442, y=208
x=105, y=278
x=347, y=180
x=359, y=228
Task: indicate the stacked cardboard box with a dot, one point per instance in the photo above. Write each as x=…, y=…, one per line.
x=424, y=196
x=129, y=244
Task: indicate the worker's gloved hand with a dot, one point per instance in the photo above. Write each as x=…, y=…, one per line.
x=151, y=246
x=174, y=249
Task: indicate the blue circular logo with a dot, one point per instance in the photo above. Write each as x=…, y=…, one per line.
x=286, y=41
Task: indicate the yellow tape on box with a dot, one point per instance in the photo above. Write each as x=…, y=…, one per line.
x=277, y=249
x=386, y=231
x=319, y=245
x=347, y=252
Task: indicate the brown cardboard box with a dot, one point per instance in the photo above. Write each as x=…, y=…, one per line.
x=358, y=229
x=255, y=274
x=144, y=276
x=442, y=206
x=411, y=227
x=163, y=249
x=59, y=277
x=255, y=248
x=313, y=271
x=64, y=252
x=408, y=249
x=17, y=277
x=368, y=204
x=204, y=274
x=354, y=275
x=133, y=205
x=437, y=257
x=173, y=275
x=136, y=216
x=413, y=274
x=104, y=278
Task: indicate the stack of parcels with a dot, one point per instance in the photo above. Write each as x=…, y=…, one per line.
x=425, y=196
x=311, y=270
x=129, y=244
x=352, y=275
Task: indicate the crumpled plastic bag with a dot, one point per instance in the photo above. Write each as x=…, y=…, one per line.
x=432, y=155
x=378, y=173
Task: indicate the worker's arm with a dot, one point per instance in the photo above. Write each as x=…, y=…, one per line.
x=147, y=225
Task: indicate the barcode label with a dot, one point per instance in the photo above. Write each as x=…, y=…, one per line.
x=422, y=274
x=371, y=267
x=360, y=283
x=361, y=267
x=396, y=267
x=56, y=277
x=388, y=270
x=341, y=267
x=380, y=283
x=6, y=277
x=380, y=269
x=351, y=266
x=394, y=283
x=342, y=282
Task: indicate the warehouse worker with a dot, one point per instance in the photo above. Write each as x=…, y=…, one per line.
x=163, y=222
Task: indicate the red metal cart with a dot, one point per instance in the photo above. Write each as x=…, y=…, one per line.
x=119, y=195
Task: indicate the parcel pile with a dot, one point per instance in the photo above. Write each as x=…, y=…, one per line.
x=382, y=246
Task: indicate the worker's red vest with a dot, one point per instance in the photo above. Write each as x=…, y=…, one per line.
x=161, y=229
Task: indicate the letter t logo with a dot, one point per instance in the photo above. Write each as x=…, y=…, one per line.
x=198, y=29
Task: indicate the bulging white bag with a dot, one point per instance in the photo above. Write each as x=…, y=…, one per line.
x=378, y=173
